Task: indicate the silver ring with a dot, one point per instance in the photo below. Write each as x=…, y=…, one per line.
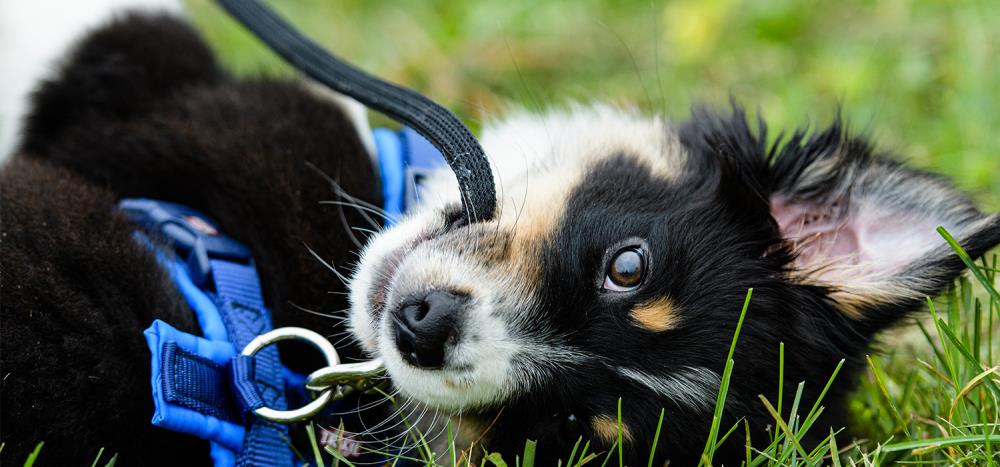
x=316, y=340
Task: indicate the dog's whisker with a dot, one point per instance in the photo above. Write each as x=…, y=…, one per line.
x=329, y=266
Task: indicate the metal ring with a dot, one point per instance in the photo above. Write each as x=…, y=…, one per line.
x=316, y=340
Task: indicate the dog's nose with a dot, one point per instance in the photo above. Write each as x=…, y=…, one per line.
x=423, y=326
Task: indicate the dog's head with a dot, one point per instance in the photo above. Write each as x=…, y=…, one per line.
x=618, y=263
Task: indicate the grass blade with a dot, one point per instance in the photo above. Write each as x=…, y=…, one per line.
x=979, y=274
x=720, y=401
x=30, y=461
x=656, y=438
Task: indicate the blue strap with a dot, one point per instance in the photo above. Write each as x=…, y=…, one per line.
x=405, y=160
x=186, y=375
x=193, y=376
x=195, y=389
x=239, y=300
x=391, y=170
x=178, y=417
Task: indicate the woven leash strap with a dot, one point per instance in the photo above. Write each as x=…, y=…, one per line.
x=436, y=123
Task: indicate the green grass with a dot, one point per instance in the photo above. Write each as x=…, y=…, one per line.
x=921, y=77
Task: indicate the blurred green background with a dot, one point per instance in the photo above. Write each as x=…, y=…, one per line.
x=920, y=77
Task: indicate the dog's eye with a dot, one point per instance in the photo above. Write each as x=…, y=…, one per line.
x=625, y=270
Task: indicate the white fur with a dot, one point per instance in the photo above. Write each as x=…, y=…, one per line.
x=695, y=387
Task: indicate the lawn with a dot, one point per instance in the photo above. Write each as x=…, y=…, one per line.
x=921, y=78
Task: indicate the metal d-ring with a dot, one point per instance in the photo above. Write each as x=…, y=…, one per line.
x=316, y=340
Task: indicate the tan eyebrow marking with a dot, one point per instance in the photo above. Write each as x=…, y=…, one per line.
x=656, y=315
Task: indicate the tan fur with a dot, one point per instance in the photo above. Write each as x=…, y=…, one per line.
x=656, y=315
x=532, y=218
x=606, y=428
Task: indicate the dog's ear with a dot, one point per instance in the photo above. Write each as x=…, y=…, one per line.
x=117, y=71
x=865, y=227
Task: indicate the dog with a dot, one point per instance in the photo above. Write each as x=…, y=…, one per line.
x=614, y=272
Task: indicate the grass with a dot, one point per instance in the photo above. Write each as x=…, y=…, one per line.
x=922, y=77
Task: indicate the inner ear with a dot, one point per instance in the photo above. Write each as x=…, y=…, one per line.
x=835, y=240
x=864, y=227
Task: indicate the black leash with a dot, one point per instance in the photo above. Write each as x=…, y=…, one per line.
x=434, y=122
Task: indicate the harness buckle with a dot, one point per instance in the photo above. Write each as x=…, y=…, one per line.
x=190, y=234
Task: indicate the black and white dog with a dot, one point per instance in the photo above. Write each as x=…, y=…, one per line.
x=616, y=267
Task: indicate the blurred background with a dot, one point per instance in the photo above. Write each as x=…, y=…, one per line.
x=920, y=77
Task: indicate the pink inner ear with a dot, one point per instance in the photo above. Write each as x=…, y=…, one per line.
x=839, y=244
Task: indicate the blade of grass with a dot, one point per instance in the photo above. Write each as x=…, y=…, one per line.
x=572, y=453
x=495, y=459
x=789, y=435
x=311, y=431
x=720, y=401
x=962, y=349
x=822, y=394
x=656, y=438
x=607, y=456
x=949, y=361
x=980, y=276
x=100, y=452
x=451, y=446
x=621, y=449
x=30, y=461
x=584, y=457
x=529, y=454
x=969, y=387
x=786, y=451
x=834, y=452
x=781, y=375
x=935, y=443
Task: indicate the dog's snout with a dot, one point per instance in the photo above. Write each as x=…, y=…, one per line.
x=424, y=326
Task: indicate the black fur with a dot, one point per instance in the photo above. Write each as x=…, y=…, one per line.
x=141, y=109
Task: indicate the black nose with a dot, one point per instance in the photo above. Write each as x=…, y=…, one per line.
x=424, y=325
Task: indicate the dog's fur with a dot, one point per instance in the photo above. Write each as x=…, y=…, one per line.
x=140, y=108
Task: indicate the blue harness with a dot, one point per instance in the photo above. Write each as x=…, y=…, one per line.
x=200, y=384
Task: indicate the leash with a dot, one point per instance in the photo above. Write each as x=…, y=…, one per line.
x=445, y=131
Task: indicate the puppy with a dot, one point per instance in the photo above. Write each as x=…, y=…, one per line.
x=616, y=268
x=140, y=108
